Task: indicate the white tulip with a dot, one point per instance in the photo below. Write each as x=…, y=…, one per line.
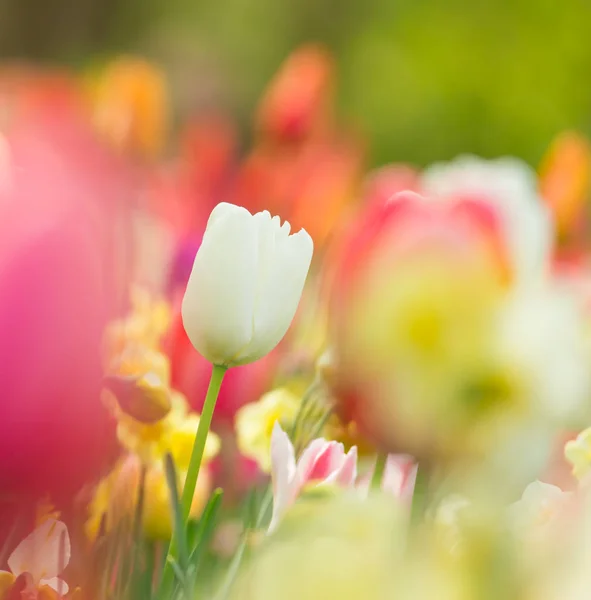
x=245, y=286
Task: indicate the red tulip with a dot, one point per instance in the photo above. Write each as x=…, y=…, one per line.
x=298, y=102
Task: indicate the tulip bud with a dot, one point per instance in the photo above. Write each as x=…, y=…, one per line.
x=245, y=285
x=146, y=398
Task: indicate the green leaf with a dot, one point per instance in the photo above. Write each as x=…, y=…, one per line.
x=143, y=574
x=178, y=571
x=206, y=527
x=178, y=521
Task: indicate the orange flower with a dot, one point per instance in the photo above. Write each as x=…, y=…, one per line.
x=565, y=178
x=298, y=102
x=130, y=105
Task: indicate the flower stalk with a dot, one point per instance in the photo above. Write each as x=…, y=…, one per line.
x=215, y=383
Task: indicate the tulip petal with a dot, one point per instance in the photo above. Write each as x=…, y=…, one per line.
x=283, y=264
x=218, y=305
x=346, y=474
x=283, y=469
x=308, y=459
x=322, y=467
x=59, y=585
x=39, y=553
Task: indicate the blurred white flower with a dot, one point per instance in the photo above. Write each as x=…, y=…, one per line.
x=540, y=334
x=42, y=556
x=540, y=504
x=510, y=185
x=245, y=285
x=398, y=479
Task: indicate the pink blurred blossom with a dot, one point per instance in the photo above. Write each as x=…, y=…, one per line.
x=63, y=269
x=321, y=463
x=399, y=477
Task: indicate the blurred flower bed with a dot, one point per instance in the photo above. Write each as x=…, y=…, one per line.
x=400, y=394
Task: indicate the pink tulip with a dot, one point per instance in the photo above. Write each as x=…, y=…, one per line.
x=321, y=463
x=399, y=478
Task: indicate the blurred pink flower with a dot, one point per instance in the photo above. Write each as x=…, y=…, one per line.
x=384, y=183
x=321, y=463
x=400, y=474
x=63, y=272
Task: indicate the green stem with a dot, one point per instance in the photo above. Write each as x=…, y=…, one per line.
x=378, y=471
x=215, y=383
x=217, y=376
x=232, y=570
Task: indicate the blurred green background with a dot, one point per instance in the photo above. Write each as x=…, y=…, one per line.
x=424, y=79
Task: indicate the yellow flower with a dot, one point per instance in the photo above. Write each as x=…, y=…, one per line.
x=174, y=433
x=144, y=326
x=255, y=421
x=180, y=438
x=157, y=519
x=578, y=453
x=137, y=360
x=130, y=106
x=116, y=498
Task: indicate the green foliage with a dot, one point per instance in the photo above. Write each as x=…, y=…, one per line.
x=424, y=79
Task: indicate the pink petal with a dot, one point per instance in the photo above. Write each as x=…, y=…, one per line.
x=308, y=459
x=283, y=472
x=309, y=456
x=39, y=553
x=346, y=474
x=399, y=476
x=322, y=467
x=408, y=485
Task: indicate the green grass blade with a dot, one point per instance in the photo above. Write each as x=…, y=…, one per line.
x=177, y=514
x=206, y=526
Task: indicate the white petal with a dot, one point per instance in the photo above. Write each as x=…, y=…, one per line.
x=59, y=585
x=284, y=262
x=219, y=301
x=283, y=469
x=39, y=553
x=511, y=186
x=541, y=331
